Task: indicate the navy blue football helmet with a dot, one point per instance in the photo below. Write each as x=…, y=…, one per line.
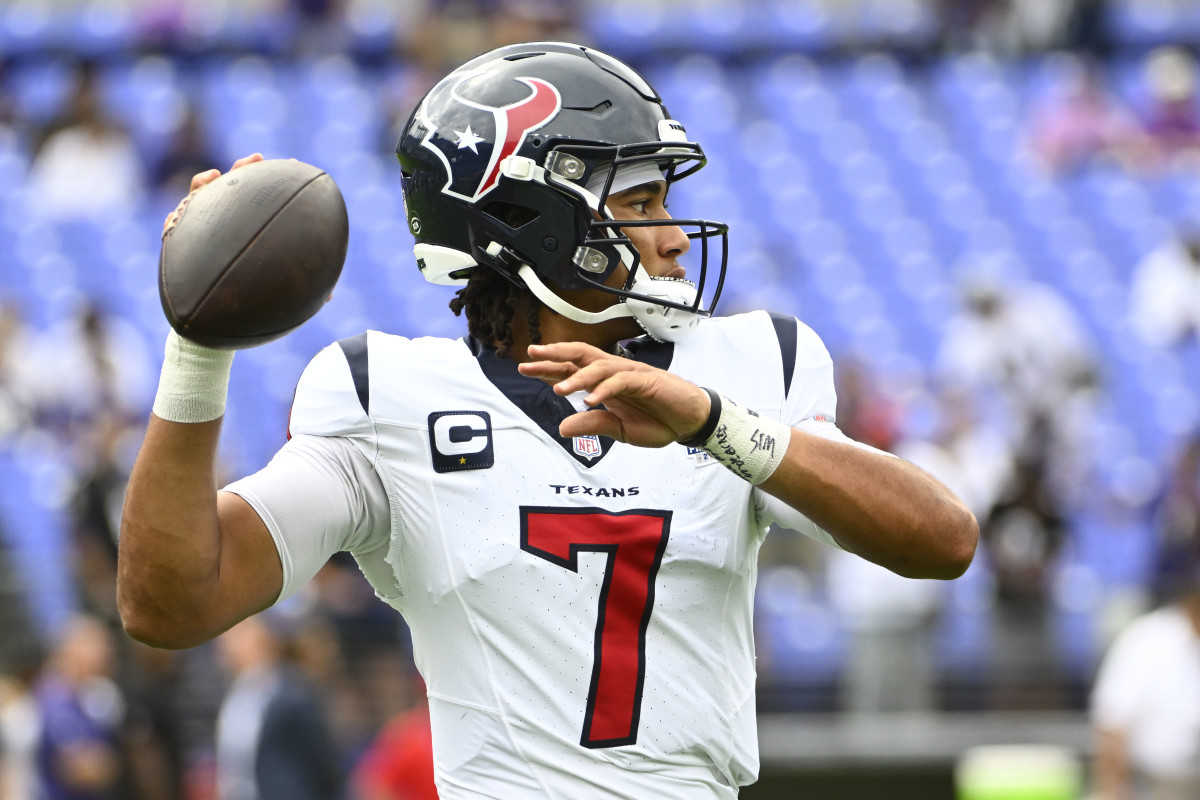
x=508, y=163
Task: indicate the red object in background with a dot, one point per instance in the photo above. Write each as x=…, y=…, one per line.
x=200, y=780
x=399, y=763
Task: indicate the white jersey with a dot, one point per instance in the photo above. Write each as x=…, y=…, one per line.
x=1148, y=689
x=581, y=610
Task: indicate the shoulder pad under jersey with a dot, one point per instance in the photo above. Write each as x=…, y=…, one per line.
x=332, y=396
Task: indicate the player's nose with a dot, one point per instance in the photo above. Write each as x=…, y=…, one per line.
x=671, y=244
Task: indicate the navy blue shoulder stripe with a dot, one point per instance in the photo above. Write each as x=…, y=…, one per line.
x=355, y=350
x=786, y=331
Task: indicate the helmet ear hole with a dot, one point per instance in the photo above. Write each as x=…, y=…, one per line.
x=514, y=216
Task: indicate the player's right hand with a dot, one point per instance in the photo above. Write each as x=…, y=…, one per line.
x=630, y=401
x=199, y=181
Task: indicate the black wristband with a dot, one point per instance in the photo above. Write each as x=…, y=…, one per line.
x=710, y=424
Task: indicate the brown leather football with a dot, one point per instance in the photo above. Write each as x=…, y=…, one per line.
x=254, y=254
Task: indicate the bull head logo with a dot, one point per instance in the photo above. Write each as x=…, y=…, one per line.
x=471, y=138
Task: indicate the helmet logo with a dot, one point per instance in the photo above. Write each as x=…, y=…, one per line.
x=465, y=135
x=515, y=122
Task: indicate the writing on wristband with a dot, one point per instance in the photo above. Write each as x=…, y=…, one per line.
x=750, y=446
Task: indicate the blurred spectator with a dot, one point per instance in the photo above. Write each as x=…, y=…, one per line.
x=353, y=645
x=1025, y=529
x=976, y=461
x=964, y=23
x=188, y=152
x=273, y=737
x=315, y=27
x=1008, y=27
x=20, y=729
x=94, y=366
x=1038, y=25
x=81, y=710
x=22, y=641
x=864, y=413
x=1177, y=523
x=171, y=26
x=447, y=33
x=15, y=369
x=1088, y=28
x=1025, y=355
x=1023, y=535
x=1145, y=705
x=1172, y=120
x=889, y=618
x=152, y=681
x=398, y=764
x=1164, y=294
x=453, y=31
x=85, y=164
x=1081, y=122
x=96, y=517
x=972, y=458
x=10, y=122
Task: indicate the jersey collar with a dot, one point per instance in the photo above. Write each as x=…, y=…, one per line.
x=538, y=401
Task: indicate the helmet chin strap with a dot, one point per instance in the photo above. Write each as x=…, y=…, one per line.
x=661, y=323
x=547, y=296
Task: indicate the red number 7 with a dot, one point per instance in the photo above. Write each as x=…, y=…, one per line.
x=634, y=542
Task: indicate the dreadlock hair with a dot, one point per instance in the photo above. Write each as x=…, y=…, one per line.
x=490, y=301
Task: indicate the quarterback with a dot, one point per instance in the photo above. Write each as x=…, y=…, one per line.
x=567, y=503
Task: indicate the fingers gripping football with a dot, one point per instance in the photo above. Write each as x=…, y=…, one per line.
x=199, y=181
x=642, y=405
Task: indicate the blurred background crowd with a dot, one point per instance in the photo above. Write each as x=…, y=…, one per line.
x=989, y=210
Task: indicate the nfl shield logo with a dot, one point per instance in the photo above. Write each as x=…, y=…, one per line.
x=588, y=446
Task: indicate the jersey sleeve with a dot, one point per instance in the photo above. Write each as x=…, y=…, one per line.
x=810, y=406
x=320, y=494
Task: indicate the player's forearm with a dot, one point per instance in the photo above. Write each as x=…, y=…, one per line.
x=170, y=544
x=882, y=508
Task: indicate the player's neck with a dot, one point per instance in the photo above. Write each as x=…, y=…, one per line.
x=557, y=328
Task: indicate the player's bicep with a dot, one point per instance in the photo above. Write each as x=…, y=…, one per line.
x=318, y=496
x=251, y=574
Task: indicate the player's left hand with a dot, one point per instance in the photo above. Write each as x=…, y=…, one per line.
x=642, y=405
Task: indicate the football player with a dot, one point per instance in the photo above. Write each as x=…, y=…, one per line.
x=566, y=504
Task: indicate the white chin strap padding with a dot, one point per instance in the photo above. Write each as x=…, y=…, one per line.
x=664, y=324
x=544, y=293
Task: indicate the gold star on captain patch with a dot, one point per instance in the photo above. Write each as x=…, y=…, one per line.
x=462, y=460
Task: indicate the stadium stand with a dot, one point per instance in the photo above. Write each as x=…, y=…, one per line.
x=861, y=185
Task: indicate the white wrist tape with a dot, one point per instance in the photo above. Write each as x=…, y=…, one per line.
x=194, y=381
x=750, y=446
